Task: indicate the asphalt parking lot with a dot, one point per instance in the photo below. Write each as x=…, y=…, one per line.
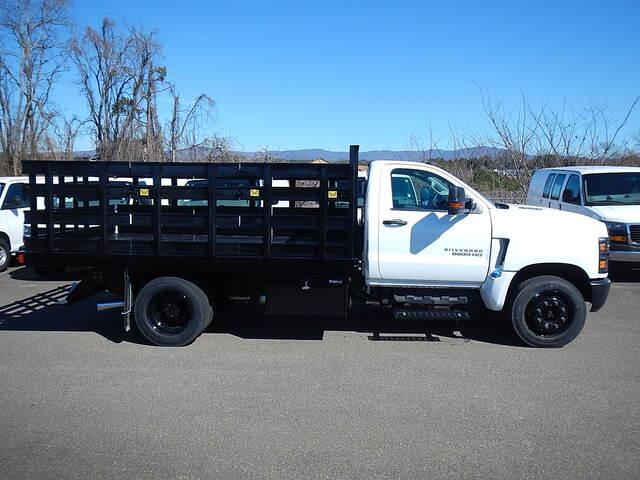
x=256, y=398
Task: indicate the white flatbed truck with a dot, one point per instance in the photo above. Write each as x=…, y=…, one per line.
x=296, y=239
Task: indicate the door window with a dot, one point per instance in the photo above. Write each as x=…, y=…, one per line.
x=571, y=192
x=547, y=185
x=557, y=186
x=16, y=197
x=419, y=190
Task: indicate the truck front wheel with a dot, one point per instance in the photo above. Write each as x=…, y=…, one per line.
x=548, y=311
x=172, y=312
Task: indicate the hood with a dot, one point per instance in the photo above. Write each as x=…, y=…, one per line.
x=540, y=235
x=541, y=221
x=618, y=213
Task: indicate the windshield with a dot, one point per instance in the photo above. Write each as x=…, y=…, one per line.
x=612, y=188
x=1, y=188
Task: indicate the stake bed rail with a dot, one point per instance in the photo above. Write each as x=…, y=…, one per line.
x=103, y=212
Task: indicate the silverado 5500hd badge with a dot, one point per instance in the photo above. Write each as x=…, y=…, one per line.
x=465, y=252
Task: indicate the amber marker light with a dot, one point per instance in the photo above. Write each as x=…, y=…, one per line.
x=618, y=238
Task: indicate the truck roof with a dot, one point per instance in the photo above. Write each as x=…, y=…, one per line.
x=596, y=169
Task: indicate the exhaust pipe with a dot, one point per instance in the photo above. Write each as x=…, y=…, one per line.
x=109, y=306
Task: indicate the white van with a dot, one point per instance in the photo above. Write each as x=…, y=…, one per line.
x=13, y=202
x=609, y=194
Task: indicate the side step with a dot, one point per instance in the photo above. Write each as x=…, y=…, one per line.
x=430, y=300
x=431, y=315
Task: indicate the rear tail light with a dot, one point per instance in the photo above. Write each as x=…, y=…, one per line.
x=603, y=255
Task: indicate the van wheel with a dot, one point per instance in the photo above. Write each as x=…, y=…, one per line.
x=5, y=255
x=172, y=312
x=548, y=312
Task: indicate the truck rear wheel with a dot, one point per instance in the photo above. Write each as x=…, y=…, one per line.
x=172, y=312
x=548, y=312
x=5, y=255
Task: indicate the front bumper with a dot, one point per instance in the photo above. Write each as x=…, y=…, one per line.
x=599, y=293
x=624, y=254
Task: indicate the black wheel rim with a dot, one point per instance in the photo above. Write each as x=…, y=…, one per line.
x=549, y=313
x=169, y=312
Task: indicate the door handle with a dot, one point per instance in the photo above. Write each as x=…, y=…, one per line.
x=396, y=222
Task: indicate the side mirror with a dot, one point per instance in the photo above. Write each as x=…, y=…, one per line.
x=457, y=201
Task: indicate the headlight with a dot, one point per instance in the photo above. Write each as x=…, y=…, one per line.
x=603, y=255
x=617, y=231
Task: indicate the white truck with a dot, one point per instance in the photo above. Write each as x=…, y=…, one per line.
x=428, y=247
x=13, y=202
x=610, y=194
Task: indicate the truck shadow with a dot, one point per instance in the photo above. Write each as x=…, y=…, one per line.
x=246, y=321
x=27, y=274
x=429, y=229
x=44, y=312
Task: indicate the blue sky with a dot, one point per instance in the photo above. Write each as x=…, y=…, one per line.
x=289, y=75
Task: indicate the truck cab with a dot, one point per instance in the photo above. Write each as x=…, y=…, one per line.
x=417, y=246
x=13, y=202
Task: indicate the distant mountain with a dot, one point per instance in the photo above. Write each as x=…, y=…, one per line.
x=309, y=154
x=408, y=155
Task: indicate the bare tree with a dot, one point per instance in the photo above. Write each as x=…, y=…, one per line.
x=219, y=149
x=65, y=131
x=120, y=76
x=264, y=155
x=185, y=126
x=514, y=136
x=147, y=81
x=536, y=137
x=100, y=58
x=33, y=52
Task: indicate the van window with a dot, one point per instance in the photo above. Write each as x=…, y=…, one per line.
x=16, y=197
x=547, y=185
x=557, y=186
x=572, y=190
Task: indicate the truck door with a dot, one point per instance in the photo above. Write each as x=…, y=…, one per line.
x=554, y=198
x=12, y=213
x=419, y=243
x=571, y=195
x=544, y=201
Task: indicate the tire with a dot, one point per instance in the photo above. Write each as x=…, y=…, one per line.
x=172, y=312
x=5, y=255
x=548, y=312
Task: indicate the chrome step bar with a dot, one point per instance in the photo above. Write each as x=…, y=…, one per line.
x=431, y=315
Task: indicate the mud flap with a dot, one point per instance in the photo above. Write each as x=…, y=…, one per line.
x=128, y=302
